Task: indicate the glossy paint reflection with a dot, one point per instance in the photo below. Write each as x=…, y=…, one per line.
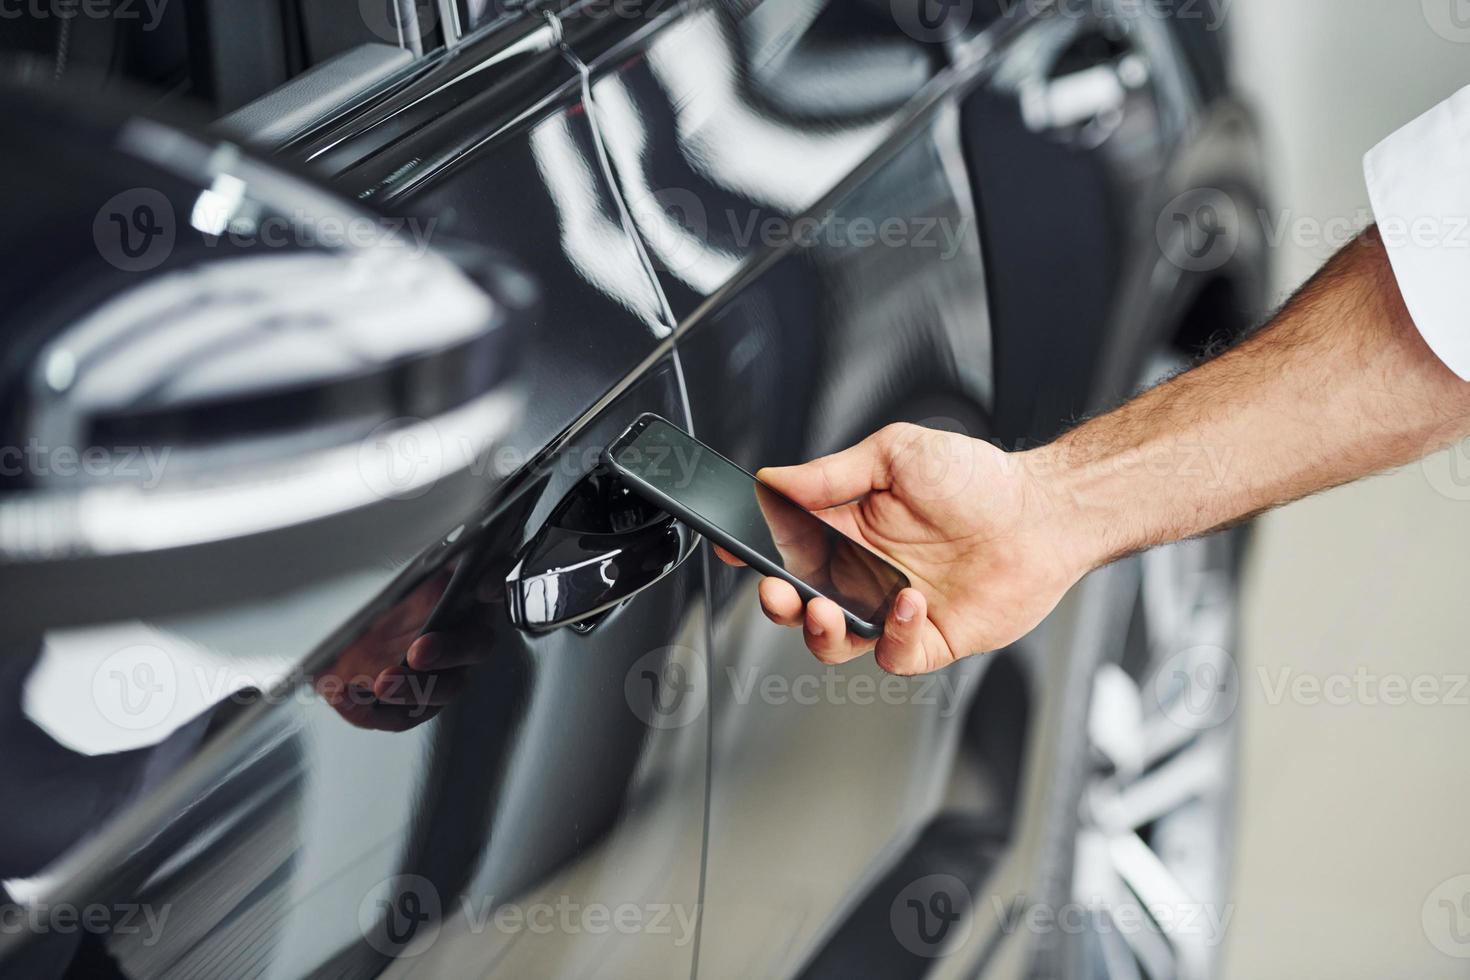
x=715, y=165
x=599, y=803
x=547, y=771
x=876, y=320
x=340, y=800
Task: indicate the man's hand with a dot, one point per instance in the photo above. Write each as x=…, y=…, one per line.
x=967, y=523
x=1338, y=386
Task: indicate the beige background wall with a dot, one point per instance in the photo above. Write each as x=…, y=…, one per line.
x=1352, y=814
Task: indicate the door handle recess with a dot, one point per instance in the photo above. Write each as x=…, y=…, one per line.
x=601, y=546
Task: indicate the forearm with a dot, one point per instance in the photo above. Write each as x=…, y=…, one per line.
x=1340, y=385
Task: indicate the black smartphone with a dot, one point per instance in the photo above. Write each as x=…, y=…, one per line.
x=765, y=529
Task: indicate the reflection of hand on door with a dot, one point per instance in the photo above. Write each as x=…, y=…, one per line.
x=394, y=677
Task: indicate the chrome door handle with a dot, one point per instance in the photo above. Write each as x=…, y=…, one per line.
x=602, y=546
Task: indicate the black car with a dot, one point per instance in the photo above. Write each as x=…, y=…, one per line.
x=316, y=318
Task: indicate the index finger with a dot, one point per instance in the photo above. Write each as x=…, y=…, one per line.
x=726, y=557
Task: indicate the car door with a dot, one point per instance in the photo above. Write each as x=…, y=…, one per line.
x=814, y=183
x=181, y=711
x=807, y=204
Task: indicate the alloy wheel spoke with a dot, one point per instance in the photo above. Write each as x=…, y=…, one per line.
x=1179, y=915
x=1159, y=781
x=1186, y=776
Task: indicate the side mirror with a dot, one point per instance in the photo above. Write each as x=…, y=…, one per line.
x=203, y=356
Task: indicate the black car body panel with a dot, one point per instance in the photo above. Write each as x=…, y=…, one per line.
x=781, y=225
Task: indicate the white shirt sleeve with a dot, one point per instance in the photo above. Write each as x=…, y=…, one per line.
x=1419, y=186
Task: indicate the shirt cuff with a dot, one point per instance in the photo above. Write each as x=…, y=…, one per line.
x=1419, y=188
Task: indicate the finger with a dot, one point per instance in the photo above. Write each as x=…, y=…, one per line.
x=409, y=615
x=841, y=477
x=376, y=716
x=801, y=541
x=399, y=685
x=781, y=602
x=726, y=556
x=901, y=647
x=442, y=650
x=391, y=686
x=826, y=632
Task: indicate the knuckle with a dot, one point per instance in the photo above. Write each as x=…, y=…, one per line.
x=889, y=663
x=897, y=433
x=830, y=658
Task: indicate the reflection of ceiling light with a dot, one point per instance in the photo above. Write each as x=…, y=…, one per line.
x=684, y=253
x=216, y=208
x=61, y=369
x=597, y=247
x=739, y=147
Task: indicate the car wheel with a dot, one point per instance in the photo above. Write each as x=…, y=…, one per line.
x=1151, y=859
x=1152, y=845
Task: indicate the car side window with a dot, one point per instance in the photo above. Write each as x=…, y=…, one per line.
x=328, y=29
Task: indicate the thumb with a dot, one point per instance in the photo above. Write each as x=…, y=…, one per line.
x=901, y=647
x=841, y=477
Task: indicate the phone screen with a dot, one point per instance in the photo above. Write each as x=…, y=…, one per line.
x=741, y=511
